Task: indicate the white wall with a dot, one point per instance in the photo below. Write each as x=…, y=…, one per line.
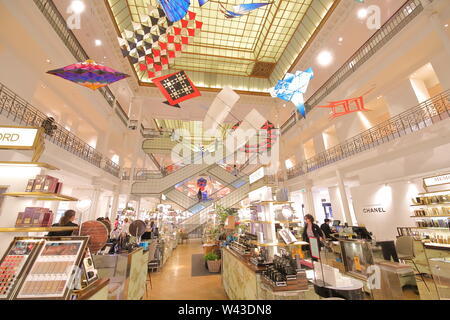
x=394, y=198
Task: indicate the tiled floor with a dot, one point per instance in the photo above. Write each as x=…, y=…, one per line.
x=174, y=281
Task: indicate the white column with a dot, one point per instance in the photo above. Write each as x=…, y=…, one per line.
x=401, y=98
x=115, y=205
x=309, y=200
x=319, y=144
x=93, y=210
x=336, y=204
x=136, y=135
x=344, y=198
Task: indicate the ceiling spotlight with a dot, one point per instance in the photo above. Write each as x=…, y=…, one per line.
x=324, y=58
x=362, y=14
x=48, y=61
x=340, y=39
x=98, y=43
x=77, y=6
x=446, y=25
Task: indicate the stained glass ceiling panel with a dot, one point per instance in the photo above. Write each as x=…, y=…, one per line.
x=235, y=47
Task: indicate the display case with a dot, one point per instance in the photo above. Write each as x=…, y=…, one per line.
x=357, y=257
x=440, y=269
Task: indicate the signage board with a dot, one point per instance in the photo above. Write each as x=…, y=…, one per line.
x=437, y=180
x=257, y=175
x=24, y=138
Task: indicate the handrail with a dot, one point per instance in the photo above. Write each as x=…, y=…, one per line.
x=417, y=118
x=18, y=110
x=59, y=24
x=391, y=28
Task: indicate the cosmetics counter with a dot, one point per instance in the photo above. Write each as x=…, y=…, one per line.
x=56, y=268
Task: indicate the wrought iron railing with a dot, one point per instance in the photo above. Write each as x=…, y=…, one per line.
x=424, y=115
x=20, y=111
x=391, y=28
x=59, y=24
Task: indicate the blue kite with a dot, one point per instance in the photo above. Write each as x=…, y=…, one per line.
x=175, y=10
x=241, y=9
x=293, y=87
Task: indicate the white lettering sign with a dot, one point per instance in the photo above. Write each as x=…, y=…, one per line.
x=436, y=181
x=257, y=175
x=17, y=137
x=374, y=210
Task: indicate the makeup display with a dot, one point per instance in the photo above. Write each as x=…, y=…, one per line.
x=54, y=269
x=260, y=257
x=283, y=274
x=244, y=244
x=14, y=264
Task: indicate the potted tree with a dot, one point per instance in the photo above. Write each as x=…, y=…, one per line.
x=213, y=261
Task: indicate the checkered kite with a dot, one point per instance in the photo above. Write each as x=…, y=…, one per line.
x=176, y=87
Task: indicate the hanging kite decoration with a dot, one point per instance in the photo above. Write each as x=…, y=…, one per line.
x=176, y=88
x=241, y=10
x=155, y=43
x=201, y=3
x=89, y=74
x=344, y=107
x=293, y=87
x=262, y=145
x=175, y=9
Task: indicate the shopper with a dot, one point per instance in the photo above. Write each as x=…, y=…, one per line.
x=65, y=221
x=325, y=227
x=126, y=226
x=311, y=229
x=235, y=171
x=199, y=195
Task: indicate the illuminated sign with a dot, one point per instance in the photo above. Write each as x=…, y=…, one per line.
x=257, y=175
x=18, y=137
x=436, y=181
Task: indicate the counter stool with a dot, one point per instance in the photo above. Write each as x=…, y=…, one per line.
x=405, y=252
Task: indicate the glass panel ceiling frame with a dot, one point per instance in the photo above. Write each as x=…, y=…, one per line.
x=213, y=71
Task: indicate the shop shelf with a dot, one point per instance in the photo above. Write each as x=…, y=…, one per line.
x=437, y=216
x=446, y=204
x=431, y=228
x=37, y=229
x=45, y=196
x=27, y=164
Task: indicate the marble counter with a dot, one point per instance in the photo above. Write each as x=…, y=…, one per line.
x=242, y=281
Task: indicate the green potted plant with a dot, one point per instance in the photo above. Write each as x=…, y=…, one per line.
x=213, y=261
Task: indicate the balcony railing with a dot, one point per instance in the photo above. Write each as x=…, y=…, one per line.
x=20, y=111
x=59, y=24
x=422, y=116
x=391, y=28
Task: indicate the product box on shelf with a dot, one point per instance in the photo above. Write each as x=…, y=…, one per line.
x=35, y=217
x=30, y=185
x=45, y=183
x=19, y=220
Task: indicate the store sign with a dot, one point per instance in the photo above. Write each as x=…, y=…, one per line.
x=18, y=138
x=436, y=181
x=257, y=175
x=374, y=209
